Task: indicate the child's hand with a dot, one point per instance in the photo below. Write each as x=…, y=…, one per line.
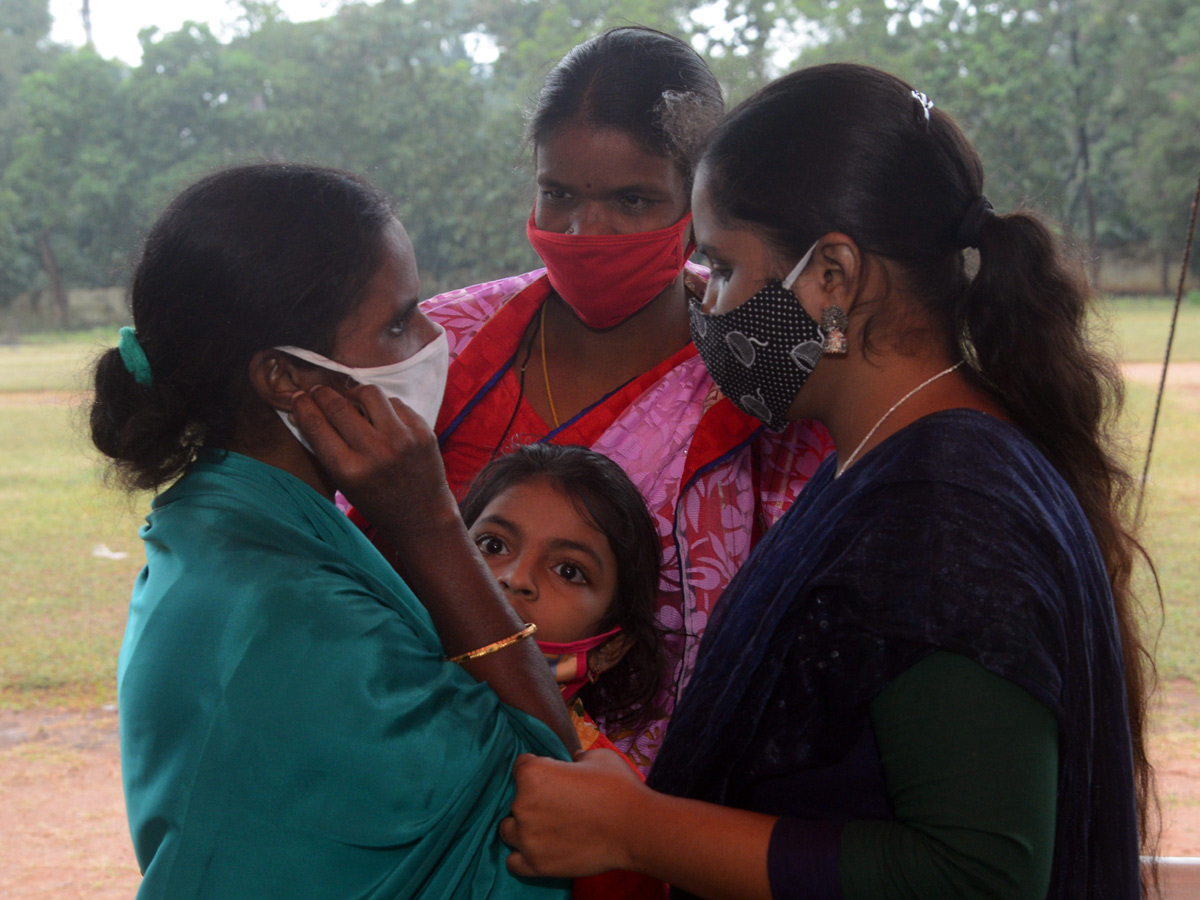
x=380, y=454
x=571, y=819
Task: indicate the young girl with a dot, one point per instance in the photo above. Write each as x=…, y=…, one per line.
x=570, y=540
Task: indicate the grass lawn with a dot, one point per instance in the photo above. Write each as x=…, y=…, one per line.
x=1171, y=506
x=47, y=366
x=1140, y=326
x=63, y=597
x=63, y=607
x=1172, y=521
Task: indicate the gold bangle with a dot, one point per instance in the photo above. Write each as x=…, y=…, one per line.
x=495, y=645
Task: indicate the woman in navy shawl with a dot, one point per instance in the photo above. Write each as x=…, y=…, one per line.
x=928, y=679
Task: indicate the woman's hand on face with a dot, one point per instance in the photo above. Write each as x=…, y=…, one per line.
x=571, y=819
x=379, y=453
x=385, y=459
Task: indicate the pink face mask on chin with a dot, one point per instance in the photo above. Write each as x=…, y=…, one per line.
x=570, y=663
x=606, y=278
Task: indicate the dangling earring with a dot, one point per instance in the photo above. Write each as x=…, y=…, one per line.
x=833, y=324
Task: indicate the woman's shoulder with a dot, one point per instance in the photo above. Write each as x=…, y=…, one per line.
x=225, y=487
x=963, y=489
x=972, y=453
x=463, y=312
x=257, y=519
x=477, y=302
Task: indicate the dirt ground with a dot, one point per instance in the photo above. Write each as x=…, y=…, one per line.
x=62, y=816
x=1180, y=373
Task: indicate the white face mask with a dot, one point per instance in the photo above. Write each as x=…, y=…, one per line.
x=419, y=381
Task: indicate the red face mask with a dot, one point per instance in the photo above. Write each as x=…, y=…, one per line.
x=607, y=278
x=570, y=663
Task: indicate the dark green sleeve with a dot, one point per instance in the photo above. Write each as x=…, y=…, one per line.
x=971, y=762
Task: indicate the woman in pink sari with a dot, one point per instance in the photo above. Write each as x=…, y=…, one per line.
x=595, y=349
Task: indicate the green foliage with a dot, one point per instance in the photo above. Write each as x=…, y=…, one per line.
x=71, y=173
x=390, y=92
x=1161, y=161
x=531, y=36
x=1088, y=109
x=24, y=25
x=18, y=266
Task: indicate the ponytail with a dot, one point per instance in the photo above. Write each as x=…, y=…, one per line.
x=1024, y=318
x=1027, y=338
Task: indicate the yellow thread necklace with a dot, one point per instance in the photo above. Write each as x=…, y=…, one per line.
x=546, y=371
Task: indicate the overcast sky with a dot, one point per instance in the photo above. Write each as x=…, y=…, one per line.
x=116, y=23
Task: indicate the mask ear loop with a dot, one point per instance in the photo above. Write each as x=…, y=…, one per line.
x=317, y=361
x=804, y=261
x=578, y=649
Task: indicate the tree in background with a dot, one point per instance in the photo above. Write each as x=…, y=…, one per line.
x=1085, y=108
x=1160, y=161
x=391, y=91
x=71, y=175
x=24, y=49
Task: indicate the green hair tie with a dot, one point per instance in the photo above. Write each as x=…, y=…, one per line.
x=134, y=357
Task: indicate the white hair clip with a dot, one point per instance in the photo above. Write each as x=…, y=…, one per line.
x=923, y=99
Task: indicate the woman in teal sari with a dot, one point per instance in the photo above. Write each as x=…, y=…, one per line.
x=295, y=722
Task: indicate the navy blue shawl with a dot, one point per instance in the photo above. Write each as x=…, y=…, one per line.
x=953, y=534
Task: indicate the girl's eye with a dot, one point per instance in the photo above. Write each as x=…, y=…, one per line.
x=571, y=573
x=636, y=203
x=490, y=545
x=555, y=194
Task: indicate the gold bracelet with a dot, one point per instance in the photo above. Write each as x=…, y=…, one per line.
x=494, y=645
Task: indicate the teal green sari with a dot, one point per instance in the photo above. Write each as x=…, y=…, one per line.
x=289, y=726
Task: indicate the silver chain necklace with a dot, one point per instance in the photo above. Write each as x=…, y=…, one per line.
x=895, y=406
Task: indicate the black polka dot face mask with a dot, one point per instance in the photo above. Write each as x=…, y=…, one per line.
x=761, y=353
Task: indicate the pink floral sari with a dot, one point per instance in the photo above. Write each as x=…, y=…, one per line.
x=713, y=478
